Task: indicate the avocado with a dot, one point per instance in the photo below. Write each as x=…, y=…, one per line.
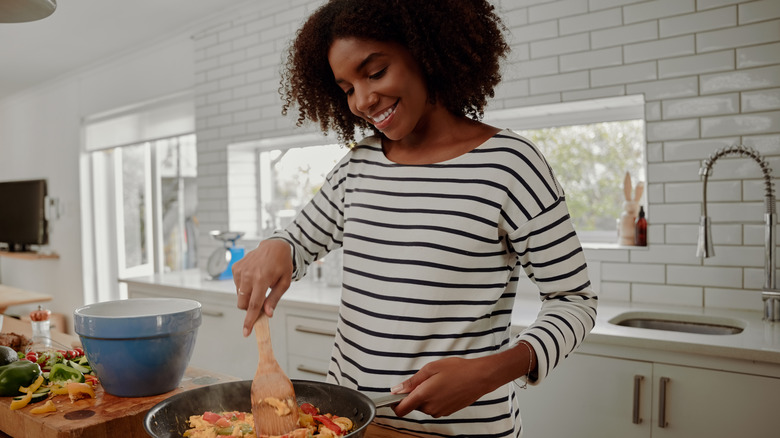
x=7, y=355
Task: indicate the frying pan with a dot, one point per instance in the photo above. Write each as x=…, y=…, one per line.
x=169, y=417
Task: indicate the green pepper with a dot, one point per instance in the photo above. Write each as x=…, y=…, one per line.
x=61, y=373
x=16, y=374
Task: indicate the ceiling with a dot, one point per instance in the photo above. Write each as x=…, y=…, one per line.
x=81, y=33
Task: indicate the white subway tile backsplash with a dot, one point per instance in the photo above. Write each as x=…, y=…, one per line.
x=742, y=256
x=596, y=5
x=653, y=111
x=717, y=191
x=701, y=106
x=667, y=294
x=591, y=21
x=651, y=10
x=732, y=299
x=696, y=64
x=565, y=81
x=594, y=93
x=631, y=272
x=761, y=100
x=676, y=213
x=614, y=291
x=624, y=35
x=758, y=11
x=698, y=22
x=591, y=59
x=752, y=123
x=625, y=74
x=666, y=89
x=744, y=212
x=561, y=45
x=671, y=130
x=556, y=9
x=695, y=149
x=757, y=56
x=673, y=171
x=748, y=35
x=663, y=48
x=717, y=276
x=538, y=67
x=688, y=234
x=661, y=254
x=535, y=32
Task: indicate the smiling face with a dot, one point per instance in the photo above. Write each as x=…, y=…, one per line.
x=383, y=84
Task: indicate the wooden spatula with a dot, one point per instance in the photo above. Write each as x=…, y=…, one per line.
x=271, y=385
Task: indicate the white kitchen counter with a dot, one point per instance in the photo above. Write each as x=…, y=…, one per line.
x=758, y=342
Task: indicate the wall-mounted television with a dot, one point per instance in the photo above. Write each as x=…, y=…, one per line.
x=23, y=214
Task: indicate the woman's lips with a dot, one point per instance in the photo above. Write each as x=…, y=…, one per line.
x=383, y=119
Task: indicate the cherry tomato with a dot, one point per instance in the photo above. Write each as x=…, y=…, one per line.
x=32, y=356
x=79, y=351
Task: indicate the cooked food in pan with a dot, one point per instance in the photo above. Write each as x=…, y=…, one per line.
x=312, y=424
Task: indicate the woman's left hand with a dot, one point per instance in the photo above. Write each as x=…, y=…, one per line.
x=444, y=387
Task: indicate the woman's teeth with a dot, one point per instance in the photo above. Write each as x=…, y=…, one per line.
x=379, y=118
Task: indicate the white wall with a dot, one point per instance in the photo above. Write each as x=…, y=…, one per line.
x=40, y=137
x=709, y=71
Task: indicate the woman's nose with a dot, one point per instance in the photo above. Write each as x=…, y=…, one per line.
x=365, y=99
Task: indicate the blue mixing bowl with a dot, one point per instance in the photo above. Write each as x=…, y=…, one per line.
x=141, y=346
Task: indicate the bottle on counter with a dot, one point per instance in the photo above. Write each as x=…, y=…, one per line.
x=640, y=231
x=41, y=329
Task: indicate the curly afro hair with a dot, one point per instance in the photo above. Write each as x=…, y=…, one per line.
x=457, y=43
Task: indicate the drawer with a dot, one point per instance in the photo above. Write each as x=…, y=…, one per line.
x=307, y=368
x=310, y=337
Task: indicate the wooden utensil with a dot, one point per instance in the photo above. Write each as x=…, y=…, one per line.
x=271, y=385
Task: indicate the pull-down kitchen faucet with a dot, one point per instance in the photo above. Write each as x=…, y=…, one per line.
x=770, y=293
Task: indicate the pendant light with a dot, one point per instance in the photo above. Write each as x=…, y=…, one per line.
x=20, y=11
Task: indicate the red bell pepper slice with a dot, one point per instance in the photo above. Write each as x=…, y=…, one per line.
x=309, y=408
x=328, y=423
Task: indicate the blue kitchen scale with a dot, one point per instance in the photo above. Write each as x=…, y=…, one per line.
x=220, y=265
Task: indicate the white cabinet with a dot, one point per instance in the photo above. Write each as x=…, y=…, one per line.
x=310, y=337
x=589, y=396
x=597, y=396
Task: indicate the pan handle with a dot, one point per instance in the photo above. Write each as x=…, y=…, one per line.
x=388, y=400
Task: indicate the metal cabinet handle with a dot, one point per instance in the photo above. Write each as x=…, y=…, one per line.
x=636, y=419
x=662, y=402
x=305, y=369
x=212, y=313
x=314, y=330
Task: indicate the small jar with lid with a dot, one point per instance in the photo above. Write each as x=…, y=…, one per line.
x=41, y=328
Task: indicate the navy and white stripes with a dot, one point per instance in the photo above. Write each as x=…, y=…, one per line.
x=432, y=254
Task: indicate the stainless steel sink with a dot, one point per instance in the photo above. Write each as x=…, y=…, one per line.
x=679, y=322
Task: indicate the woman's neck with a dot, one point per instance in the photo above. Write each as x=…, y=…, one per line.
x=441, y=138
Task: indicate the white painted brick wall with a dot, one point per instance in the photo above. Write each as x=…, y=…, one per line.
x=710, y=74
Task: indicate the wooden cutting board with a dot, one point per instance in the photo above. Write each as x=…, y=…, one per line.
x=104, y=416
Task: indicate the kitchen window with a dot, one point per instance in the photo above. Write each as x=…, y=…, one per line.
x=140, y=194
x=590, y=146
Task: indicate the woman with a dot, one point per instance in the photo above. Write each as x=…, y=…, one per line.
x=437, y=213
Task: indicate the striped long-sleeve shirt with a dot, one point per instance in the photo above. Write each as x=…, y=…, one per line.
x=432, y=254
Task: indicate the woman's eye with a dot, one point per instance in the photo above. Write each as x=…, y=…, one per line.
x=379, y=74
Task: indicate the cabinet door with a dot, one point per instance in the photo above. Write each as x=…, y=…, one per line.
x=715, y=404
x=309, y=345
x=589, y=396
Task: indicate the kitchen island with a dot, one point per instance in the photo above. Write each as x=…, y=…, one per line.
x=635, y=382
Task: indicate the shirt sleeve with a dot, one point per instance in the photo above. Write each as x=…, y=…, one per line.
x=319, y=227
x=551, y=255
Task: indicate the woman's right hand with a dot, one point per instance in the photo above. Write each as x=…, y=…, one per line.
x=269, y=266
